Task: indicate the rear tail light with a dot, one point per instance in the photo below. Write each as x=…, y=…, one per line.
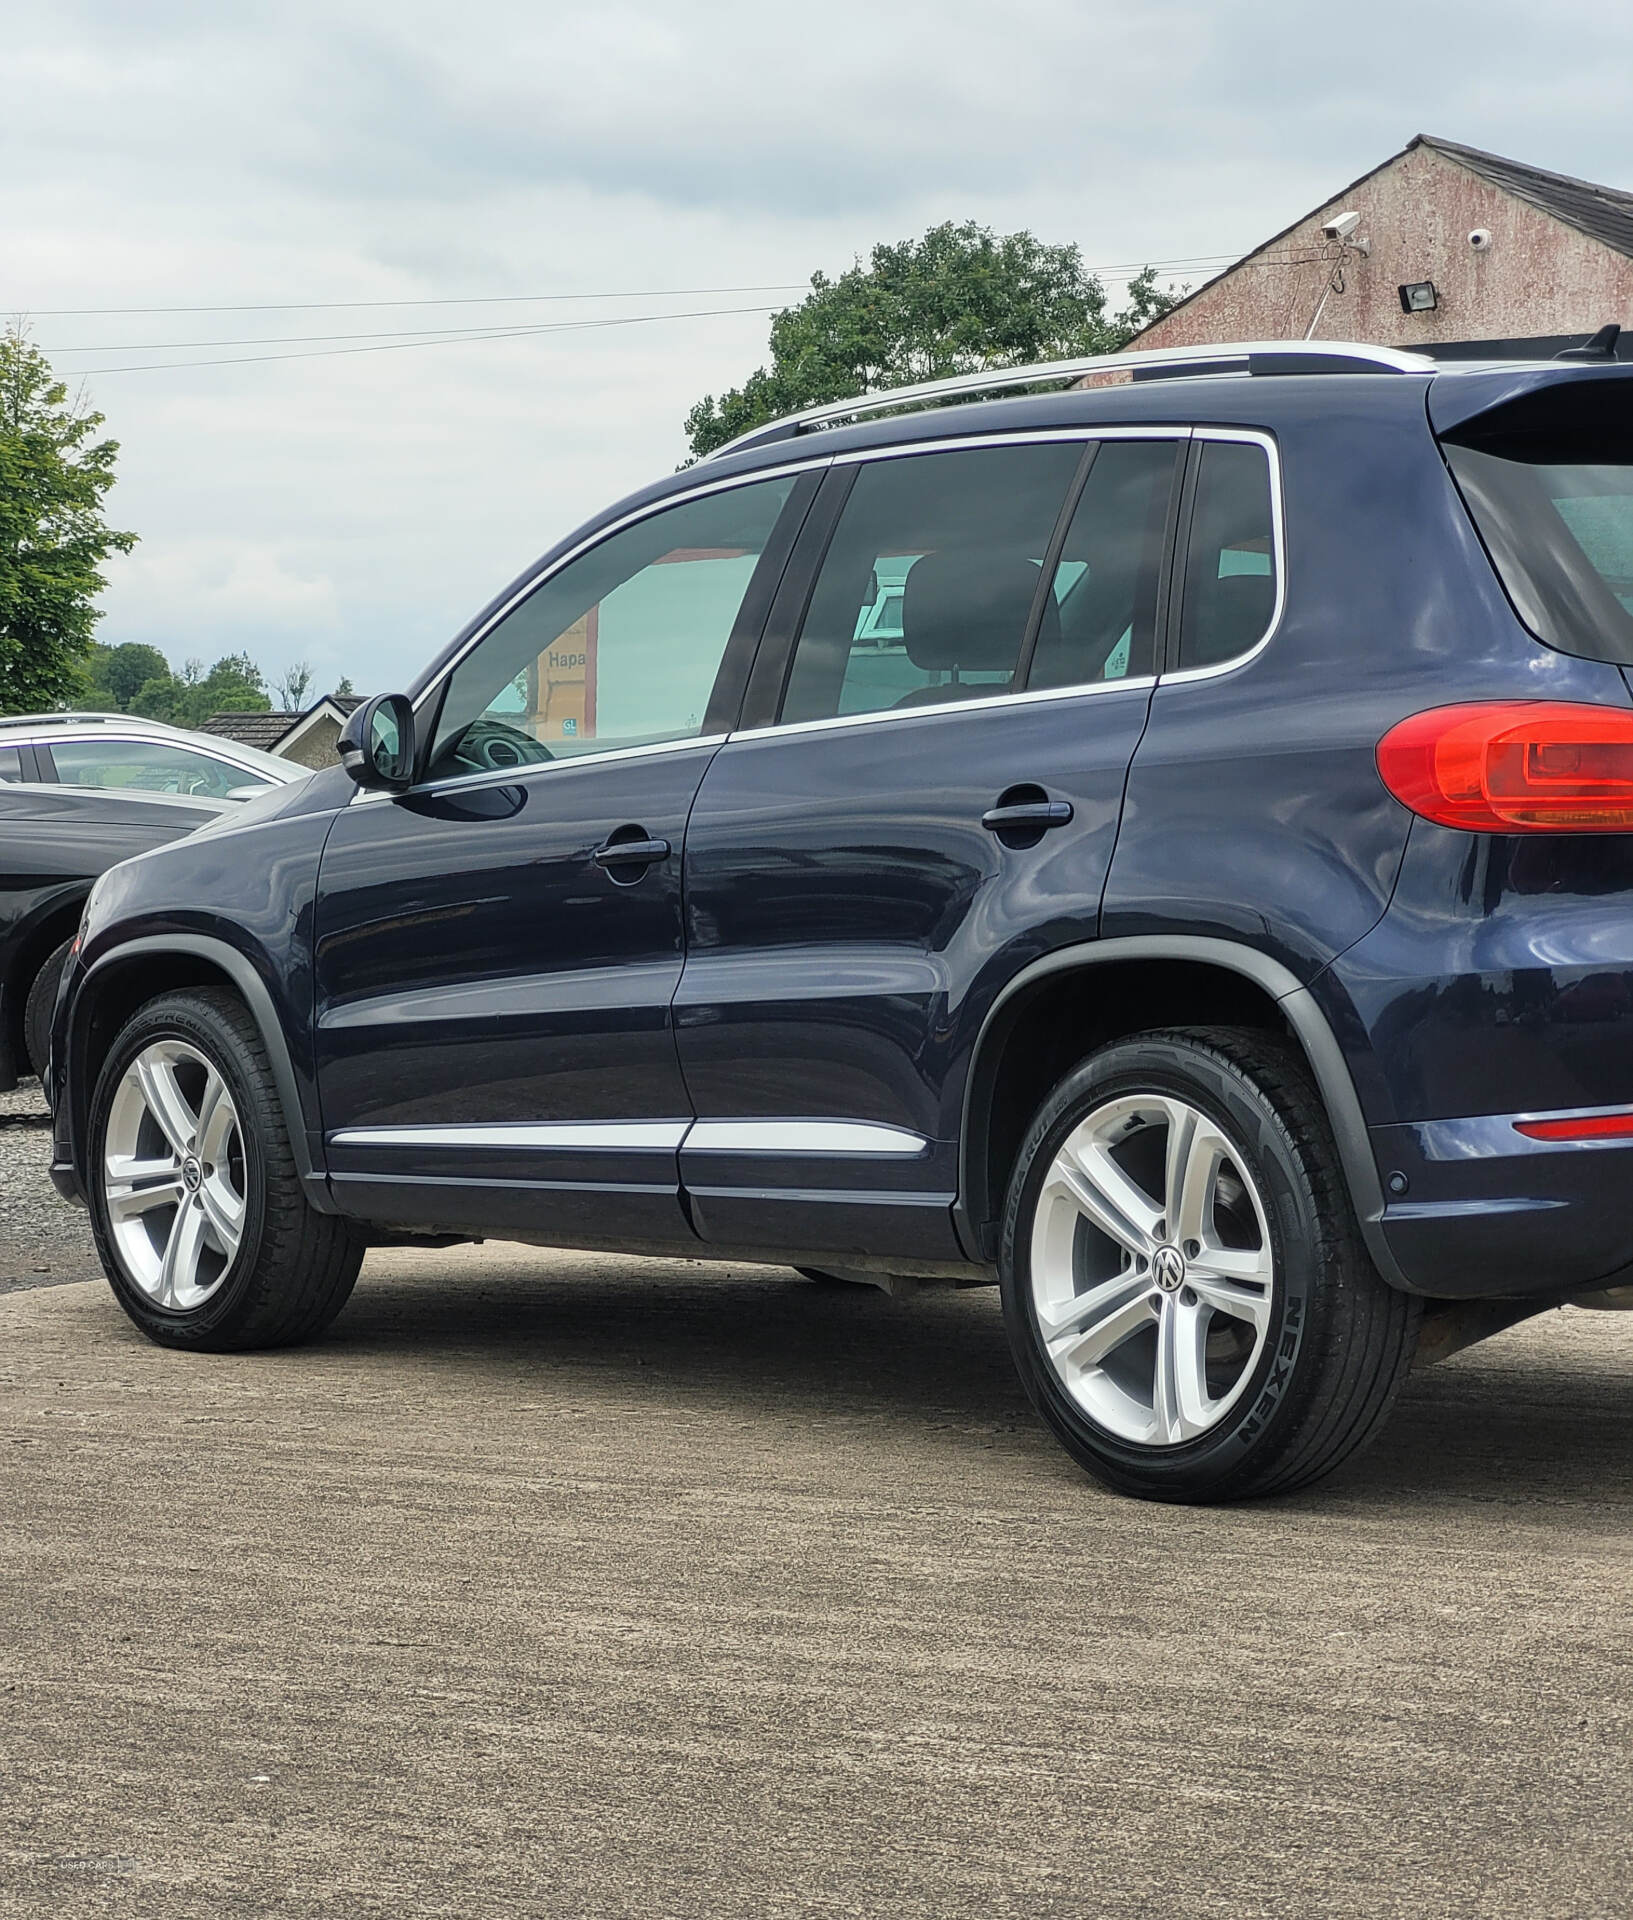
x=1515, y=766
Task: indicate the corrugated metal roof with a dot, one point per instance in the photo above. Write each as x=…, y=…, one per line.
x=1605, y=214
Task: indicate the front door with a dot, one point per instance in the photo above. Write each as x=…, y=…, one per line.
x=497, y=949
x=934, y=804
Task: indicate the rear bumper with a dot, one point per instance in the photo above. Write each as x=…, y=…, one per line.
x=1476, y=1209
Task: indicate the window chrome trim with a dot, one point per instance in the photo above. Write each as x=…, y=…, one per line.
x=849, y=1137
x=1033, y=697
x=511, y=776
x=973, y=442
x=1246, y=436
x=588, y=1136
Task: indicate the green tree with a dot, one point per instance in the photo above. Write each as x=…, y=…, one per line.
x=960, y=300
x=116, y=675
x=53, y=538
x=187, y=699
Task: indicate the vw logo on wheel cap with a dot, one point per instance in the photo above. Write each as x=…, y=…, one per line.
x=1168, y=1269
x=192, y=1174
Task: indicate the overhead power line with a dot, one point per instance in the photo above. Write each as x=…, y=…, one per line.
x=464, y=338
x=1197, y=262
x=465, y=300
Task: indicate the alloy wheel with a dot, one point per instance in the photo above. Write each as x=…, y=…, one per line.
x=1151, y=1269
x=173, y=1178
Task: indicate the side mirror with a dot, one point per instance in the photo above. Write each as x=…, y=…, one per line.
x=376, y=745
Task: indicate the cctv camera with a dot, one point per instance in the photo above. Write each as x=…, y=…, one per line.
x=1341, y=225
x=1480, y=239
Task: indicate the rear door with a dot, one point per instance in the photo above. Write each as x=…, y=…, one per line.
x=952, y=686
x=497, y=949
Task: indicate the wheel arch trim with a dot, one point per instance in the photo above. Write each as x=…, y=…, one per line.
x=1310, y=1028
x=241, y=971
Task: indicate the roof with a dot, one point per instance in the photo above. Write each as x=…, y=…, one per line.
x=337, y=707
x=1605, y=214
x=261, y=730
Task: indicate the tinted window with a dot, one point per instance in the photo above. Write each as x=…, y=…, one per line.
x=929, y=580
x=11, y=764
x=1230, y=568
x=150, y=766
x=619, y=649
x=1103, y=623
x=1561, y=532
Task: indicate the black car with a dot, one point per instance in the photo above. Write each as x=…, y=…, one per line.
x=1166, y=848
x=54, y=841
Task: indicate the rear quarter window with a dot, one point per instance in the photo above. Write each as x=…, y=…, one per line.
x=1548, y=483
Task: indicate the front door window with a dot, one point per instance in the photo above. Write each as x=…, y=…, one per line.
x=621, y=648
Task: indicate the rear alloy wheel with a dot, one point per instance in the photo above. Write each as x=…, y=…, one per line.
x=204, y=1229
x=1186, y=1292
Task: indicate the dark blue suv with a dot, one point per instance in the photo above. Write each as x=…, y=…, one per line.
x=1166, y=847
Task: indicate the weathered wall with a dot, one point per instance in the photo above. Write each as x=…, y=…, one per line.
x=316, y=748
x=1538, y=276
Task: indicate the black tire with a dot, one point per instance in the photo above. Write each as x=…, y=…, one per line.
x=1339, y=1340
x=294, y=1267
x=41, y=1005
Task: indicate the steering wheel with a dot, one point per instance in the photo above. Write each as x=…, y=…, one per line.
x=495, y=747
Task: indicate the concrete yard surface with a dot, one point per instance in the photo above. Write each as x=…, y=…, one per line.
x=568, y=1585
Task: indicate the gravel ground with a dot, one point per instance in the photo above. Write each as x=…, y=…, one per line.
x=570, y=1586
x=43, y=1240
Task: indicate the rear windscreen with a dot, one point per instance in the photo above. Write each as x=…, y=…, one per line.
x=1552, y=496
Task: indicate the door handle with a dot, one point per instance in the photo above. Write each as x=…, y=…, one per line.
x=1027, y=815
x=630, y=853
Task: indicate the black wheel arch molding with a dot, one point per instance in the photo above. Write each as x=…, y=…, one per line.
x=51, y=917
x=73, y=1034
x=976, y=1217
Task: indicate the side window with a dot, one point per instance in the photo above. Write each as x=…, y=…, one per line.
x=929, y=580
x=1230, y=566
x=619, y=649
x=1101, y=623
x=11, y=764
x=147, y=765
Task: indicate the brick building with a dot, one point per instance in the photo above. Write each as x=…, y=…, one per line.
x=1454, y=248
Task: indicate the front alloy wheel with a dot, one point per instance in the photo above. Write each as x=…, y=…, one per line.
x=205, y=1228
x=173, y=1175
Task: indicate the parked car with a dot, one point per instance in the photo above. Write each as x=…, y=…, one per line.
x=118, y=750
x=54, y=841
x=1213, y=923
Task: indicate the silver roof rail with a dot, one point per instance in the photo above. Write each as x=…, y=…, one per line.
x=1237, y=356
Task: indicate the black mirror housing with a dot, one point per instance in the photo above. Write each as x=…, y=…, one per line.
x=376, y=745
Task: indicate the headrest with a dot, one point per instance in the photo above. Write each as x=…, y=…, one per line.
x=1228, y=617
x=968, y=609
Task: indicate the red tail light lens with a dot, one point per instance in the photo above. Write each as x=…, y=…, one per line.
x=1515, y=766
x=1588, y=1126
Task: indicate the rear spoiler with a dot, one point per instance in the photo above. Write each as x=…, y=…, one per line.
x=1576, y=388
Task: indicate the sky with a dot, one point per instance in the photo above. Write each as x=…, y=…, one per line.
x=582, y=171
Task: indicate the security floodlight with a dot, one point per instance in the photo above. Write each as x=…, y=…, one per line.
x=1419, y=296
